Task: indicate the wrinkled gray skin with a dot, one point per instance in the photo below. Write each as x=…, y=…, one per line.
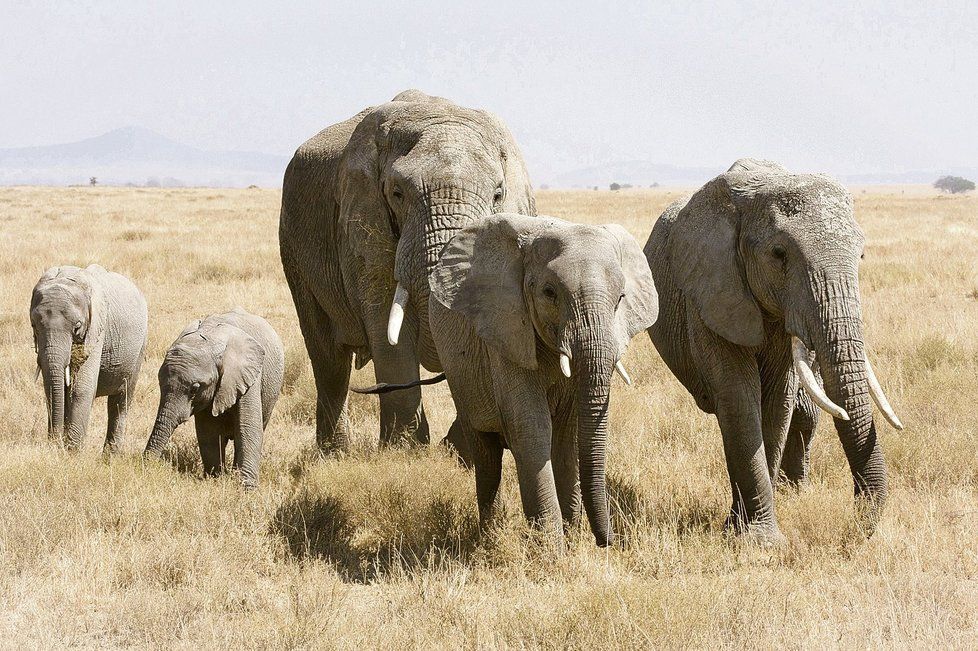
x=94, y=322
x=755, y=256
x=225, y=371
x=509, y=294
x=372, y=201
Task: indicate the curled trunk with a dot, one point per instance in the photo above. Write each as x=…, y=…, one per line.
x=595, y=361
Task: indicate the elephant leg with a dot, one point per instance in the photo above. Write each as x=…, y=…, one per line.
x=778, y=389
x=732, y=376
x=525, y=414
x=78, y=410
x=487, y=456
x=461, y=440
x=565, y=463
x=118, y=412
x=331, y=365
x=248, y=437
x=795, y=463
x=402, y=415
x=211, y=440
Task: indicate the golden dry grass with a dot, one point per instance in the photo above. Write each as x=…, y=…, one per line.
x=381, y=548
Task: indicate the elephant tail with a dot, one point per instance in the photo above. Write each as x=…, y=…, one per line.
x=384, y=387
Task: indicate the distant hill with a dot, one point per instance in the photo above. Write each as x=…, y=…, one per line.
x=138, y=156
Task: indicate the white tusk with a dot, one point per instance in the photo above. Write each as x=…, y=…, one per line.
x=879, y=397
x=806, y=378
x=565, y=365
x=397, y=314
x=67, y=376
x=622, y=372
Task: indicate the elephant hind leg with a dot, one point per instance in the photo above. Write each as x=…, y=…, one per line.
x=795, y=462
x=487, y=456
x=212, y=440
x=331, y=363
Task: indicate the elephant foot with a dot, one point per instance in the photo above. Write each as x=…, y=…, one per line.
x=761, y=533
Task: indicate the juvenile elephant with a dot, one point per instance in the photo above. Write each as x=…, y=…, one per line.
x=367, y=206
x=90, y=333
x=756, y=271
x=531, y=316
x=226, y=371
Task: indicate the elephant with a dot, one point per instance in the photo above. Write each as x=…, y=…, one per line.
x=226, y=371
x=90, y=329
x=367, y=206
x=531, y=316
x=757, y=273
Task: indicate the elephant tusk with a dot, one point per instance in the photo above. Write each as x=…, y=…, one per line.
x=806, y=378
x=565, y=365
x=622, y=372
x=67, y=376
x=876, y=391
x=397, y=314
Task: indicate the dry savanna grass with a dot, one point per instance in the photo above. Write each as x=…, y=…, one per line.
x=382, y=548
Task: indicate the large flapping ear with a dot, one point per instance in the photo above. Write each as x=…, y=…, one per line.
x=705, y=258
x=639, y=307
x=240, y=367
x=480, y=276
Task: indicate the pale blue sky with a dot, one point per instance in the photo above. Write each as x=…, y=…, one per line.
x=882, y=86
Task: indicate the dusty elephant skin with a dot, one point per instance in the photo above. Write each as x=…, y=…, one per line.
x=90, y=333
x=367, y=206
x=225, y=371
x=774, y=278
x=533, y=314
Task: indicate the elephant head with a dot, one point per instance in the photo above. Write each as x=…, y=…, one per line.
x=208, y=367
x=415, y=172
x=779, y=247
x=66, y=317
x=535, y=288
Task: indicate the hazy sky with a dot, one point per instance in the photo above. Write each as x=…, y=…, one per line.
x=883, y=86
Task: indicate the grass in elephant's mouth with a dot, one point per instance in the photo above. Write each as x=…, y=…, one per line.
x=383, y=547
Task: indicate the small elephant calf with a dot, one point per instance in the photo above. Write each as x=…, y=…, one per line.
x=225, y=371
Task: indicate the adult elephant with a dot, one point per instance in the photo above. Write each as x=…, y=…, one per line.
x=756, y=271
x=367, y=206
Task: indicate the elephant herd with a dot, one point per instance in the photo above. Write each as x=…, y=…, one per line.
x=409, y=237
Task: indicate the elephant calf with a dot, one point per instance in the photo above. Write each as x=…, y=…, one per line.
x=225, y=371
x=533, y=317
x=90, y=333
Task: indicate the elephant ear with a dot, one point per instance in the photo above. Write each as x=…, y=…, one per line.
x=240, y=367
x=191, y=328
x=705, y=259
x=757, y=165
x=480, y=276
x=639, y=307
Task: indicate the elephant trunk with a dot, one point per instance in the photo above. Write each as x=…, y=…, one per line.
x=841, y=353
x=53, y=361
x=166, y=421
x=594, y=361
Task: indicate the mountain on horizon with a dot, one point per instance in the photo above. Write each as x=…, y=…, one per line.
x=139, y=156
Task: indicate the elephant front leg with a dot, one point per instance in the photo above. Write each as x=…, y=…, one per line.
x=78, y=407
x=525, y=415
x=565, y=463
x=248, y=436
x=118, y=414
x=212, y=438
x=402, y=415
x=795, y=463
x=778, y=389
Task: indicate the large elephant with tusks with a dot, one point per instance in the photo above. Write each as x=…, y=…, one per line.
x=367, y=206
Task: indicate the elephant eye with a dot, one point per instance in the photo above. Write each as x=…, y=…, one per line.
x=550, y=293
x=195, y=387
x=498, y=195
x=779, y=253
x=397, y=192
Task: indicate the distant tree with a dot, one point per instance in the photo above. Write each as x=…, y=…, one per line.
x=654, y=185
x=152, y=182
x=544, y=187
x=954, y=184
x=92, y=181
x=615, y=187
